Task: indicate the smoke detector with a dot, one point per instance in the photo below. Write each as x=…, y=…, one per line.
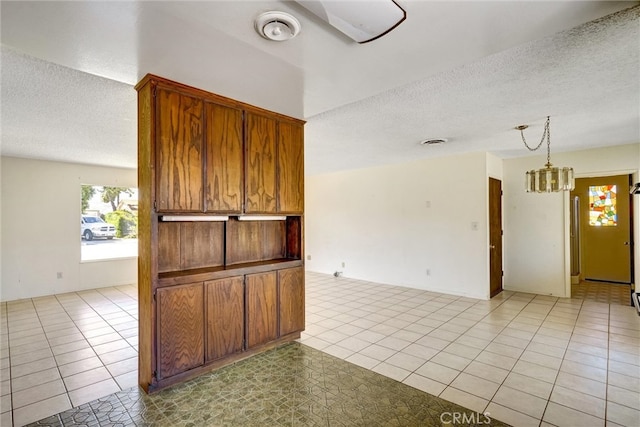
x=277, y=26
x=434, y=141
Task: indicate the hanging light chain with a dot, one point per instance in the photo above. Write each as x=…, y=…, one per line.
x=521, y=128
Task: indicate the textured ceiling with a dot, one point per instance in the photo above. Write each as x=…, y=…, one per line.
x=466, y=71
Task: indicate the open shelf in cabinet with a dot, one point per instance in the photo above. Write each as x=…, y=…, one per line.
x=189, y=251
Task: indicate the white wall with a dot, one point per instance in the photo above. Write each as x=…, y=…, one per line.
x=536, y=239
x=40, y=229
x=377, y=222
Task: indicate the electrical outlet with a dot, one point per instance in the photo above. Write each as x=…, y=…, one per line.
x=308, y=257
x=428, y=203
x=342, y=264
x=59, y=274
x=474, y=225
x=428, y=272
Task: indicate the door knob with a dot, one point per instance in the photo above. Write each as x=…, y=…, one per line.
x=492, y=246
x=626, y=243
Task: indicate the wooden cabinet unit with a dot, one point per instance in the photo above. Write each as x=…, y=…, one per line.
x=216, y=281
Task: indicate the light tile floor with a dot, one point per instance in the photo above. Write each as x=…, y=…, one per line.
x=526, y=359
x=529, y=360
x=61, y=351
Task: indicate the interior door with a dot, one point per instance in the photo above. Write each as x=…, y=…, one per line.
x=495, y=236
x=605, y=219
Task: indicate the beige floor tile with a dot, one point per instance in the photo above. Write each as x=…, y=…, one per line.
x=497, y=360
x=64, y=358
x=437, y=372
x=579, y=401
x=623, y=415
x=541, y=359
x=621, y=356
x=354, y=344
x=465, y=399
x=581, y=384
x=520, y=401
x=37, y=393
x=425, y=384
x=118, y=355
x=6, y=418
x=623, y=396
x=377, y=352
x=69, y=347
x=93, y=391
x=563, y=416
x=394, y=343
x=505, y=350
x=391, y=371
x=535, y=371
x=80, y=366
x=510, y=416
x=529, y=385
x=451, y=361
x=433, y=342
x=405, y=361
x=582, y=370
x=62, y=332
x=511, y=341
x=31, y=380
x=487, y=372
x=475, y=385
x=625, y=381
x=362, y=360
x=86, y=378
x=42, y=409
x=462, y=350
x=32, y=367
x=424, y=353
x=31, y=356
x=127, y=380
x=334, y=350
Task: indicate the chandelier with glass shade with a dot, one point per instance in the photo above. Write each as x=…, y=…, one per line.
x=548, y=179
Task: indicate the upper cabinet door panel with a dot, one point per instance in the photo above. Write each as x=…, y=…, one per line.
x=290, y=168
x=224, y=167
x=179, y=152
x=260, y=164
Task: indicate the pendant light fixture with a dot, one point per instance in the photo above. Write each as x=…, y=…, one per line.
x=548, y=179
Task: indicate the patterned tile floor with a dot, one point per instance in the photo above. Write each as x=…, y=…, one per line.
x=526, y=359
x=293, y=385
x=610, y=293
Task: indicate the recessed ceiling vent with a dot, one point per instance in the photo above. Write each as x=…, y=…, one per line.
x=434, y=141
x=277, y=26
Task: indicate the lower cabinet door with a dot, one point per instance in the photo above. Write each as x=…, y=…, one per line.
x=225, y=317
x=262, y=320
x=291, y=308
x=180, y=311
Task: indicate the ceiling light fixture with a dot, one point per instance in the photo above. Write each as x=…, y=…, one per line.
x=547, y=179
x=434, y=141
x=277, y=26
x=363, y=21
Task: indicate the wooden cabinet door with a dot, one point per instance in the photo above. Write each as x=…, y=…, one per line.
x=260, y=170
x=262, y=320
x=179, y=152
x=291, y=307
x=180, y=313
x=290, y=167
x=224, y=165
x=225, y=317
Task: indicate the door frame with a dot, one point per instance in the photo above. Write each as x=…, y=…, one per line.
x=501, y=239
x=633, y=218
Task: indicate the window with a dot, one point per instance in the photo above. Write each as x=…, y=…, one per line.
x=602, y=206
x=108, y=222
